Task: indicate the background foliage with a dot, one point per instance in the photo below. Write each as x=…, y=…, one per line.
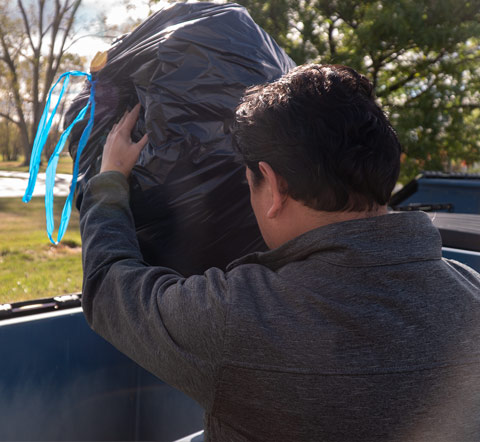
x=421, y=55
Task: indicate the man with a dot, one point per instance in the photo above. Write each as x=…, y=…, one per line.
x=352, y=327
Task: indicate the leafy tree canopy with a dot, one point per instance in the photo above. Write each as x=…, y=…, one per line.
x=421, y=55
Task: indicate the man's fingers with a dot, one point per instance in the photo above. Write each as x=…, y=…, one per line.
x=141, y=144
x=131, y=118
x=124, y=116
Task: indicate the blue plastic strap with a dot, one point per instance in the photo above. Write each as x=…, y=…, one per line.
x=38, y=145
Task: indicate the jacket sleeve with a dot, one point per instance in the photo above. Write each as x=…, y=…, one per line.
x=171, y=325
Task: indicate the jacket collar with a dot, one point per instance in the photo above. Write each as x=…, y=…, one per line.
x=395, y=238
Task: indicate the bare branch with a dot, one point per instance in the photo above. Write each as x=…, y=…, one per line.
x=411, y=76
x=6, y=56
x=24, y=55
x=26, y=23
x=46, y=30
x=50, y=71
x=14, y=85
x=471, y=106
x=66, y=33
x=331, y=41
x=427, y=89
x=105, y=37
x=9, y=118
x=464, y=106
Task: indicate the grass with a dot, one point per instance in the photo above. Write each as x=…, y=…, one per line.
x=64, y=165
x=30, y=266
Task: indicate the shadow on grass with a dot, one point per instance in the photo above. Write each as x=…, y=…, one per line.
x=35, y=210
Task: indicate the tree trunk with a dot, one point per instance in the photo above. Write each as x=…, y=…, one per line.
x=26, y=145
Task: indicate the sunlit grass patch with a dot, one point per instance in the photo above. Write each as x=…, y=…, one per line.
x=30, y=266
x=64, y=165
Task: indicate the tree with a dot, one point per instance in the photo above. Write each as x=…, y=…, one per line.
x=8, y=138
x=34, y=38
x=421, y=55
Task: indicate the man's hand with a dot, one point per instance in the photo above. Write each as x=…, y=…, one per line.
x=120, y=153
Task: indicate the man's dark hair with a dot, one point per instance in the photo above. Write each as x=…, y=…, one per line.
x=320, y=128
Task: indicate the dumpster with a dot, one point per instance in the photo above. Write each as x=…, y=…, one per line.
x=60, y=381
x=440, y=192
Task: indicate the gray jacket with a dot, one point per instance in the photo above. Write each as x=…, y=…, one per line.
x=356, y=331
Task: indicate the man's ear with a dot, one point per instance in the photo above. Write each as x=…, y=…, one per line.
x=277, y=187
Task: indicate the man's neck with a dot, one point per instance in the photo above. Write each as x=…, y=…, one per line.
x=325, y=218
x=299, y=219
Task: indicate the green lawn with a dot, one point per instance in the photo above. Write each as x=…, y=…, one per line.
x=30, y=266
x=64, y=165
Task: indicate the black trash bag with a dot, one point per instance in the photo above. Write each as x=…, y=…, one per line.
x=188, y=65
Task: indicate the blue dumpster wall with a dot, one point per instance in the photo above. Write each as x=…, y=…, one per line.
x=462, y=193
x=60, y=381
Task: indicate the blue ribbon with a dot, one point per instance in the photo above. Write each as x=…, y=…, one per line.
x=39, y=143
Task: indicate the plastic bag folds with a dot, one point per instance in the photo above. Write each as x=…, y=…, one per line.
x=188, y=65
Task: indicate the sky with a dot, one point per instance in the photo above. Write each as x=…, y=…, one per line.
x=116, y=13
